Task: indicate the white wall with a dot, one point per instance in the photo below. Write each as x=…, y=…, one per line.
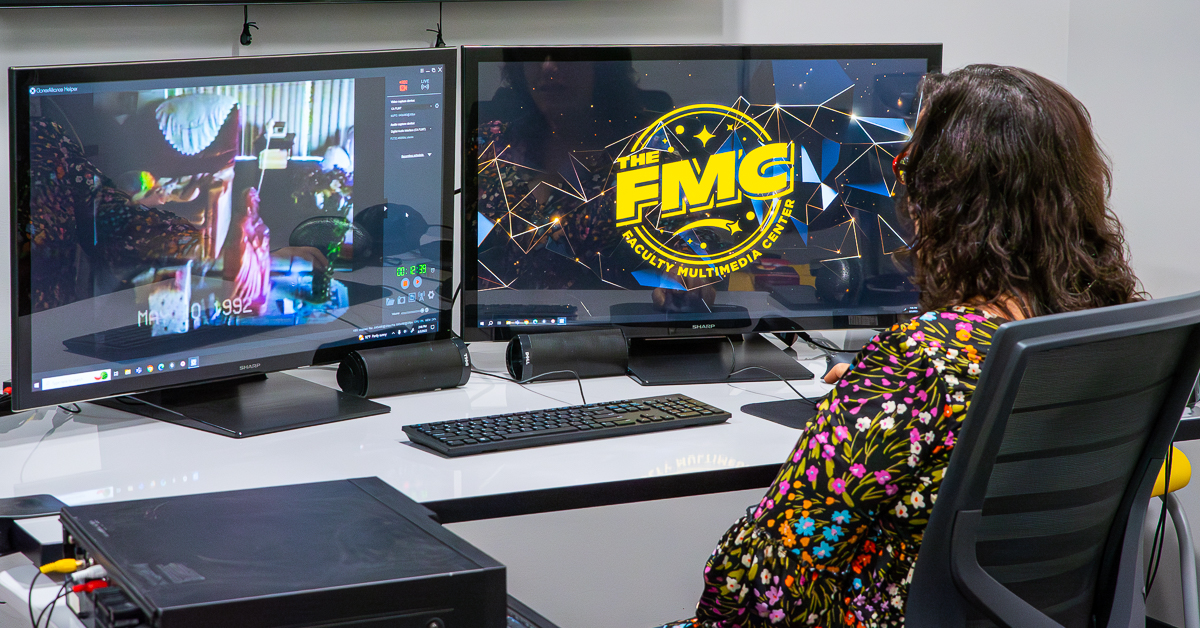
x=1027, y=33
x=1130, y=63
x=1134, y=66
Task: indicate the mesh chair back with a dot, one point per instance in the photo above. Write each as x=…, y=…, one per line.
x=1071, y=414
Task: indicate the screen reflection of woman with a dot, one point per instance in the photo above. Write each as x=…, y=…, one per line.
x=90, y=237
x=146, y=189
x=1007, y=192
x=556, y=123
x=75, y=208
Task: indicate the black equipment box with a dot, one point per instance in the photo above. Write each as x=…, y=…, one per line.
x=349, y=553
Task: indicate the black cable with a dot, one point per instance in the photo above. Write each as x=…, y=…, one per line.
x=1160, y=529
x=75, y=410
x=578, y=381
x=732, y=372
x=438, y=42
x=454, y=297
x=246, y=26
x=522, y=382
x=509, y=379
x=55, y=423
x=1155, y=551
x=62, y=592
x=828, y=348
x=1162, y=520
x=31, y=583
x=53, y=604
x=814, y=402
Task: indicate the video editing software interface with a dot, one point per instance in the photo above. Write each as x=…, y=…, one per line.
x=718, y=186
x=191, y=220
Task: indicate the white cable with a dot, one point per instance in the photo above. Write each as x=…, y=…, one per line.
x=95, y=572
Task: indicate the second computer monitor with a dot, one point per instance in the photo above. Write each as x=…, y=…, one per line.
x=693, y=189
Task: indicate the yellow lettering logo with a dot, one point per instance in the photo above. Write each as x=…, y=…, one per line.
x=664, y=200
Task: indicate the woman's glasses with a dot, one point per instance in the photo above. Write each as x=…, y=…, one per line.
x=900, y=166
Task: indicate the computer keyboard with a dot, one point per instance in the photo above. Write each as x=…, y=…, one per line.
x=563, y=425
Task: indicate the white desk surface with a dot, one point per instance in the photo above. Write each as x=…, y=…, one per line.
x=107, y=455
x=102, y=454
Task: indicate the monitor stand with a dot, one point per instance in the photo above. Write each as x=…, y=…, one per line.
x=662, y=361
x=248, y=406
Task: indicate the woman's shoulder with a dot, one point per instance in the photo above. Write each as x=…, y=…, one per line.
x=960, y=333
x=957, y=323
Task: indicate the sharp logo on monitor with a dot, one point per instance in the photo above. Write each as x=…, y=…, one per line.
x=720, y=180
x=247, y=367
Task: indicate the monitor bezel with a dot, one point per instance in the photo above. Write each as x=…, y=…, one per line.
x=472, y=56
x=22, y=78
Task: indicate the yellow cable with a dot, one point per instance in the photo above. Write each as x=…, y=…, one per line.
x=66, y=565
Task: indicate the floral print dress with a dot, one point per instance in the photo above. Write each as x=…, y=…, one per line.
x=74, y=205
x=834, y=540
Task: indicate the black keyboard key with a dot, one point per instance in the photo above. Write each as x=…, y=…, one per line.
x=557, y=430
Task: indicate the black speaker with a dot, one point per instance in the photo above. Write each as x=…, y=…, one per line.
x=405, y=368
x=597, y=353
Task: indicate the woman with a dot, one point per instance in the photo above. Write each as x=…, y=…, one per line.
x=552, y=121
x=1007, y=191
x=75, y=207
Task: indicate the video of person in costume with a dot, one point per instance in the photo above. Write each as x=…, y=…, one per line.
x=195, y=209
x=647, y=187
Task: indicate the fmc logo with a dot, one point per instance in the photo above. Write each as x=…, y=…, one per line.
x=695, y=210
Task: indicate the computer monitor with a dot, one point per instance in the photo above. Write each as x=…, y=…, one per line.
x=682, y=191
x=211, y=221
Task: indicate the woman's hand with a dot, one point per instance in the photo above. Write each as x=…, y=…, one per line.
x=836, y=373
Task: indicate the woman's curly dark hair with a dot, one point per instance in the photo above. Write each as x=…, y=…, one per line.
x=1007, y=192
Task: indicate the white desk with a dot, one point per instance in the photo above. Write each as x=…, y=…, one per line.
x=102, y=454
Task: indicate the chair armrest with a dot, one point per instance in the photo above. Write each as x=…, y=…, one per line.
x=992, y=598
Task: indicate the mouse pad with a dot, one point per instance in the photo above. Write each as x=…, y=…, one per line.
x=793, y=413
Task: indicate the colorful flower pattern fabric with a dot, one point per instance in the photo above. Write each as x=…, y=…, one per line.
x=74, y=205
x=834, y=540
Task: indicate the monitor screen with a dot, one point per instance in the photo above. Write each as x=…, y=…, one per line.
x=186, y=221
x=685, y=189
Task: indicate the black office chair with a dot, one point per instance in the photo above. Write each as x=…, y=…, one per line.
x=1039, y=518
